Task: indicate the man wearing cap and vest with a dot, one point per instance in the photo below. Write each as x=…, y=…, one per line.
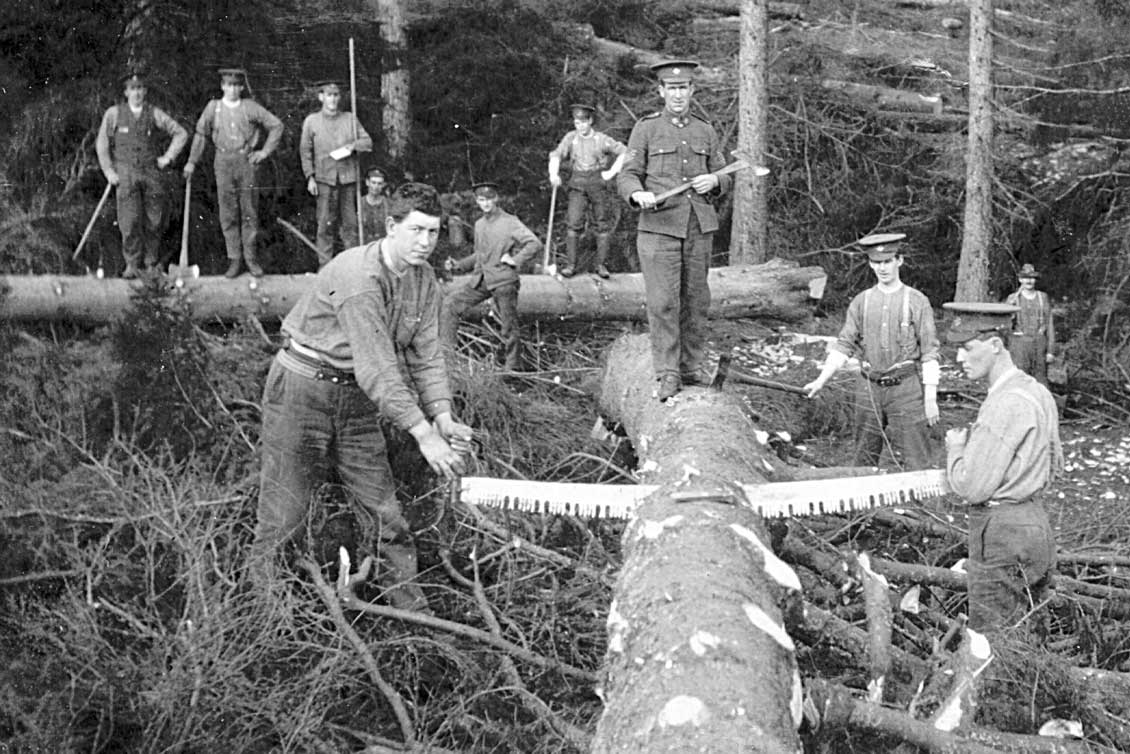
x=233, y=122
x=127, y=147
x=890, y=327
x=363, y=349
x=589, y=150
x=675, y=239
x=502, y=245
x=1032, y=343
x=1000, y=466
x=374, y=205
x=330, y=142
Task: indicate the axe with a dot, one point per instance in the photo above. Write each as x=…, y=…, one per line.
x=725, y=371
x=733, y=167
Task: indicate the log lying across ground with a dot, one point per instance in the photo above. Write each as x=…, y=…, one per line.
x=775, y=290
x=698, y=658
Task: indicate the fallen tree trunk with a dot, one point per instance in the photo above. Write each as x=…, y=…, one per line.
x=885, y=96
x=774, y=290
x=698, y=657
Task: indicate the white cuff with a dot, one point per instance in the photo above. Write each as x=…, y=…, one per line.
x=931, y=372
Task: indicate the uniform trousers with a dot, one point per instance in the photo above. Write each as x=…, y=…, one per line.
x=457, y=302
x=678, y=297
x=585, y=189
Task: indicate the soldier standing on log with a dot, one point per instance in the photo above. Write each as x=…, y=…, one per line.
x=234, y=122
x=589, y=150
x=364, y=349
x=328, y=147
x=127, y=152
x=675, y=239
x=891, y=327
x=999, y=467
x=1032, y=343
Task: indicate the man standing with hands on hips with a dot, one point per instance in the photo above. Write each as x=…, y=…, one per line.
x=675, y=239
x=234, y=123
x=331, y=140
x=1000, y=466
x=890, y=327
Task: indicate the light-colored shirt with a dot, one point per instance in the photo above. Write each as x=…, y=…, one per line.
x=384, y=327
x=235, y=128
x=497, y=234
x=1013, y=449
x=103, y=143
x=884, y=329
x=322, y=134
x=1034, y=317
x=588, y=153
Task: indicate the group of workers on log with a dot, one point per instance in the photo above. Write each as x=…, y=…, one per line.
x=367, y=344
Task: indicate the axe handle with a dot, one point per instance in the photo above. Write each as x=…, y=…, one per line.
x=299, y=234
x=93, y=218
x=733, y=167
x=186, y=221
x=749, y=379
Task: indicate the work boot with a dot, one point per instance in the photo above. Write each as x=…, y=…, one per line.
x=570, y=267
x=669, y=386
x=130, y=273
x=253, y=267
x=234, y=268
x=603, y=241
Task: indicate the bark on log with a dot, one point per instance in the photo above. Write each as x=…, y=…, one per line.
x=776, y=290
x=733, y=7
x=698, y=658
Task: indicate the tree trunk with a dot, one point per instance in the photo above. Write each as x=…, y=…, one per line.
x=698, y=658
x=776, y=290
x=977, y=239
x=396, y=116
x=749, y=236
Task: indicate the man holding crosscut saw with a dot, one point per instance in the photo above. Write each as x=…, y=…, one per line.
x=676, y=234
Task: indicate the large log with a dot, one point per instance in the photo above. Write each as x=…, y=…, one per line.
x=775, y=290
x=698, y=657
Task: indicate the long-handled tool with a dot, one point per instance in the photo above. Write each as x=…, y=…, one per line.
x=733, y=167
x=90, y=225
x=353, y=112
x=178, y=272
x=726, y=371
x=298, y=234
x=546, y=267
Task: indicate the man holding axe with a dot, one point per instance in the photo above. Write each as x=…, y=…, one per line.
x=675, y=235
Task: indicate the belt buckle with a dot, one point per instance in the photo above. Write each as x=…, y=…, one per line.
x=889, y=381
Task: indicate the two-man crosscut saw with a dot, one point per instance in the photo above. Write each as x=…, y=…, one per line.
x=776, y=499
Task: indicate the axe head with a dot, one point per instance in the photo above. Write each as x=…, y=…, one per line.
x=721, y=372
x=758, y=170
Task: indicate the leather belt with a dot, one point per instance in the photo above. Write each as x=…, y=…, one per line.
x=314, y=369
x=893, y=376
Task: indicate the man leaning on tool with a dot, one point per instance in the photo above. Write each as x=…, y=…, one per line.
x=589, y=150
x=364, y=349
x=890, y=326
x=127, y=147
x=1000, y=466
x=1032, y=343
x=330, y=142
x=233, y=122
x=502, y=245
x=676, y=238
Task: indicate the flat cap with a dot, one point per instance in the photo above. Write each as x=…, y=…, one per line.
x=582, y=108
x=325, y=84
x=135, y=78
x=971, y=319
x=675, y=71
x=881, y=246
x=1028, y=271
x=238, y=73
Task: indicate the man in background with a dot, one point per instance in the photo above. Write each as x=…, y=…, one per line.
x=589, y=150
x=502, y=245
x=374, y=205
x=1032, y=343
x=234, y=122
x=331, y=140
x=128, y=148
